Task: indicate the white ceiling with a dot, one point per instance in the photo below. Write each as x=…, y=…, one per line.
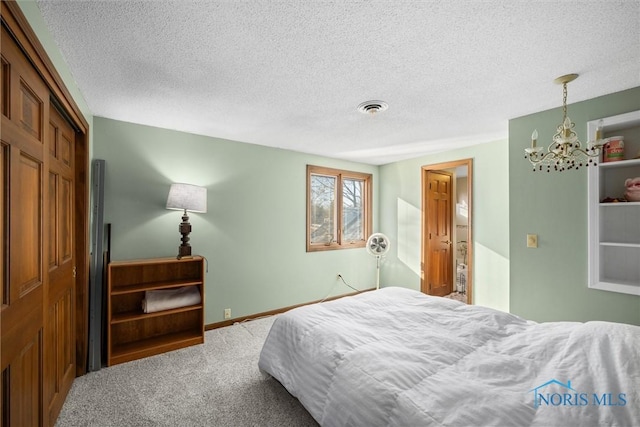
x=291, y=73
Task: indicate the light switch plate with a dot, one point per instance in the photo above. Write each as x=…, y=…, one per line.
x=532, y=240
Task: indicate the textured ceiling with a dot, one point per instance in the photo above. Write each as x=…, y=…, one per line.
x=291, y=74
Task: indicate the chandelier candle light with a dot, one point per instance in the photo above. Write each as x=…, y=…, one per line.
x=565, y=151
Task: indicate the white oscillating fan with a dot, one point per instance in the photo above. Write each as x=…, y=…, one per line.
x=378, y=246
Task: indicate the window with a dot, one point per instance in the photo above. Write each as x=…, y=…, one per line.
x=338, y=209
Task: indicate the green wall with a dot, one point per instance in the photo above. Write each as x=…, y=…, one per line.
x=253, y=234
x=400, y=206
x=550, y=283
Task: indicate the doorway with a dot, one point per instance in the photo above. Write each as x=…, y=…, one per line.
x=447, y=245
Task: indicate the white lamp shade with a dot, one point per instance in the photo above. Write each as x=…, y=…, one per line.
x=187, y=197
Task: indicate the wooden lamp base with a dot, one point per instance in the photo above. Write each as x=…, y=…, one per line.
x=184, y=250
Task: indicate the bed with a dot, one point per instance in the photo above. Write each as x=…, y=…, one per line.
x=397, y=357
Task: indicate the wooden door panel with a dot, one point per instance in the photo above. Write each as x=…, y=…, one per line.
x=26, y=266
x=31, y=111
x=65, y=221
x=59, y=365
x=443, y=206
x=60, y=337
x=27, y=100
x=53, y=220
x=21, y=320
x=4, y=183
x=24, y=378
x=4, y=87
x=439, y=273
x=24, y=199
x=66, y=147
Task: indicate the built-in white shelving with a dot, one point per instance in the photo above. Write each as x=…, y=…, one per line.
x=614, y=228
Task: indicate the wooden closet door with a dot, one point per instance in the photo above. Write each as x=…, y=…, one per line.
x=59, y=330
x=25, y=101
x=37, y=227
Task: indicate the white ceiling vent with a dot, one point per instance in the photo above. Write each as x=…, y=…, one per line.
x=372, y=107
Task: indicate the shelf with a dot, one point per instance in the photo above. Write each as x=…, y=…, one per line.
x=626, y=283
x=139, y=287
x=620, y=163
x=150, y=346
x=620, y=204
x=130, y=316
x=156, y=261
x=613, y=228
x=621, y=245
x=625, y=287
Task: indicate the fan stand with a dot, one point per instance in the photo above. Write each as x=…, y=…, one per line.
x=377, y=245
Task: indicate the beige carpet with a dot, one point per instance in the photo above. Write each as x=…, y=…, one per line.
x=214, y=384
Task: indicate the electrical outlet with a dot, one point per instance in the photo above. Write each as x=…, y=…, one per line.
x=339, y=276
x=227, y=313
x=532, y=240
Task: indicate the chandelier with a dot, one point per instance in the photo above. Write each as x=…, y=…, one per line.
x=565, y=151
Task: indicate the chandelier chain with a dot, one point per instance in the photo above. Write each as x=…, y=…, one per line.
x=564, y=101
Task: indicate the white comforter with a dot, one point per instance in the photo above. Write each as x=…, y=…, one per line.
x=398, y=357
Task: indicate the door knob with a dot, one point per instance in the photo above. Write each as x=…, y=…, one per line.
x=448, y=242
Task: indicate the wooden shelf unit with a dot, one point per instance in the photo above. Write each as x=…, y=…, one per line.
x=614, y=228
x=133, y=334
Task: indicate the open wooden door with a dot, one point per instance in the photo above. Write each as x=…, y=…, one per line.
x=439, y=275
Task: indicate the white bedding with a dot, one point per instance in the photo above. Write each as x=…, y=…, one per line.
x=398, y=357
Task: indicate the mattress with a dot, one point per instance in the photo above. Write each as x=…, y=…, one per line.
x=397, y=357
